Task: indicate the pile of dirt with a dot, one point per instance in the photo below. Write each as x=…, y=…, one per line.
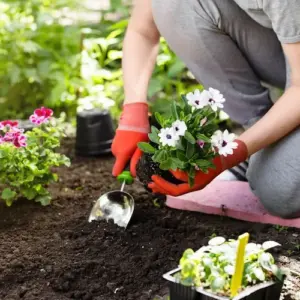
x=53, y=253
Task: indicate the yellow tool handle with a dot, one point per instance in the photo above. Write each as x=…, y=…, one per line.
x=237, y=277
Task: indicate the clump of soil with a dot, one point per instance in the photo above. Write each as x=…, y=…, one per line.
x=146, y=167
x=53, y=253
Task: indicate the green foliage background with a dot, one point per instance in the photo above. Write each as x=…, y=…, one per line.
x=44, y=60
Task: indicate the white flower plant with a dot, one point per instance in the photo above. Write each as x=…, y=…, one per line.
x=212, y=267
x=189, y=140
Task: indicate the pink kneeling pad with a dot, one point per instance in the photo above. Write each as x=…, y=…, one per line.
x=228, y=198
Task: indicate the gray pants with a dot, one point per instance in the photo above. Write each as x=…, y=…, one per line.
x=225, y=49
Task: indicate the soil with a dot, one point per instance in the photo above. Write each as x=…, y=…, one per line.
x=146, y=168
x=53, y=253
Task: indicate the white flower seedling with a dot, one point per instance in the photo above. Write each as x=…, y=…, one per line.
x=189, y=139
x=212, y=267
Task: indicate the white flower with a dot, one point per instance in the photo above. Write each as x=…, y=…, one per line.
x=229, y=269
x=196, y=99
x=167, y=136
x=213, y=97
x=224, y=141
x=216, y=241
x=179, y=127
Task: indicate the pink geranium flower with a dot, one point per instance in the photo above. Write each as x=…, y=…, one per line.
x=41, y=115
x=9, y=136
x=19, y=140
x=8, y=124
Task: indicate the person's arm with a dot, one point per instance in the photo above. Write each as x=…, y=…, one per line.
x=284, y=116
x=280, y=120
x=140, y=50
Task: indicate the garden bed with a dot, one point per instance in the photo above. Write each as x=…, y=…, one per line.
x=54, y=253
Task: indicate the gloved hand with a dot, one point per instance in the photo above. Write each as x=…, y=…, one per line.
x=222, y=163
x=133, y=128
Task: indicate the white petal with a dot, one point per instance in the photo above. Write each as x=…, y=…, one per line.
x=190, y=96
x=205, y=96
x=270, y=244
x=219, y=240
x=253, y=248
x=229, y=270
x=197, y=92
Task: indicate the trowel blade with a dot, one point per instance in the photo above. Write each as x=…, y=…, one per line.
x=116, y=205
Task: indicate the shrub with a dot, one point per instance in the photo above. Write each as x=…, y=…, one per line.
x=26, y=159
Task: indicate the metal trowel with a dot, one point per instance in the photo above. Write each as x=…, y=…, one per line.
x=115, y=205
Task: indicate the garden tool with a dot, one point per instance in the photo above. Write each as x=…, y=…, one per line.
x=115, y=205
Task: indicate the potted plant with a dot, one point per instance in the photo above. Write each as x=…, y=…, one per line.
x=27, y=158
x=223, y=270
x=188, y=140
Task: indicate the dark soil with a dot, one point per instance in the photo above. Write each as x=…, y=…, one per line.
x=146, y=168
x=53, y=253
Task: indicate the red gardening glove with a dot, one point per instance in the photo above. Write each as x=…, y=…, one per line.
x=133, y=128
x=222, y=163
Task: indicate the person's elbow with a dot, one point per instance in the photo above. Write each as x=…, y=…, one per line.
x=142, y=22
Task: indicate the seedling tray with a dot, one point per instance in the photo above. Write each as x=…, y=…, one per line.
x=264, y=291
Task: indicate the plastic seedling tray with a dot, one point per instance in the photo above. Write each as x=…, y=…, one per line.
x=264, y=291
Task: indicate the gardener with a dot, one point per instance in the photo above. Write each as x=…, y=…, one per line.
x=232, y=46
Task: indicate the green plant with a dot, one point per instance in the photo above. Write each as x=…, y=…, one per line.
x=26, y=159
x=188, y=139
x=280, y=228
x=39, y=58
x=212, y=266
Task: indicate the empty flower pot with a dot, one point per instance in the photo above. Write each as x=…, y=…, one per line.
x=263, y=291
x=94, y=133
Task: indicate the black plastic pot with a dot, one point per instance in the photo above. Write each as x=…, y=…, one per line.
x=264, y=291
x=94, y=133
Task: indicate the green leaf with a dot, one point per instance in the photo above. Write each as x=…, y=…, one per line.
x=178, y=163
x=160, y=156
x=154, y=129
x=191, y=176
x=176, y=68
x=153, y=137
x=205, y=164
x=146, y=147
x=203, y=138
x=8, y=195
x=174, y=110
x=154, y=87
x=29, y=193
x=190, y=150
x=189, y=137
x=166, y=165
x=181, y=155
x=180, y=145
x=159, y=118
x=44, y=199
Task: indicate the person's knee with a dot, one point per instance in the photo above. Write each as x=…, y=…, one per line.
x=278, y=192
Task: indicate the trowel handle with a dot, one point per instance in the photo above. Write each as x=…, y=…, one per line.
x=126, y=177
